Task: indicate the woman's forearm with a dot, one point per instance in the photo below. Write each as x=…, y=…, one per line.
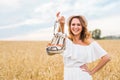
x=102, y=62
x=61, y=27
x=61, y=20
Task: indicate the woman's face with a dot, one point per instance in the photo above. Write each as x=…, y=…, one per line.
x=76, y=26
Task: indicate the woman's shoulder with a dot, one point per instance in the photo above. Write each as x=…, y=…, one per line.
x=90, y=40
x=68, y=38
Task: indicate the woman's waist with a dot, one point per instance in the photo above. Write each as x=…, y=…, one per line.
x=70, y=65
x=75, y=68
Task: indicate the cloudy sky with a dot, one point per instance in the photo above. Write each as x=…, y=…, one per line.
x=34, y=19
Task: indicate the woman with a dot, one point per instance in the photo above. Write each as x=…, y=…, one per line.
x=80, y=50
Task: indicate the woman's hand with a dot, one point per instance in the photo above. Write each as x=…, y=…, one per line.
x=85, y=68
x=61, y=19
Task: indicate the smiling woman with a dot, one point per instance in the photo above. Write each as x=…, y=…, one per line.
x=80, y=50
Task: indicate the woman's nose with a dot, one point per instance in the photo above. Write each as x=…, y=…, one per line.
x=76, y=26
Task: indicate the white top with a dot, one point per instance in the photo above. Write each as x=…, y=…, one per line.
x=76, y=55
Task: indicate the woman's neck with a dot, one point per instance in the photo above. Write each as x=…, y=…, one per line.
x=76, y=38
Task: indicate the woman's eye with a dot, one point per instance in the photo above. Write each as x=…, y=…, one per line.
x=73, y=24
x=78, y=24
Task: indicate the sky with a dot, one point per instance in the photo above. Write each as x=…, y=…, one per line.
x=34, y=19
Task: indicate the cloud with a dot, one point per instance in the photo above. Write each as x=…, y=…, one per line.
x=9, y=3
x=26, y=22
x=44, y=7
x=43, y=34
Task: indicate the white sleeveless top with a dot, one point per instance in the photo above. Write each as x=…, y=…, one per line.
x=76, y=55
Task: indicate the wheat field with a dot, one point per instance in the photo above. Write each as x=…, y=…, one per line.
x=28, y=60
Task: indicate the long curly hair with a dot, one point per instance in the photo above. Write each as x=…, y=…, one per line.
x=85, y=35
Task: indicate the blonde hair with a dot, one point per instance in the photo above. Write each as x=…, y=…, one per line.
x=85, y=35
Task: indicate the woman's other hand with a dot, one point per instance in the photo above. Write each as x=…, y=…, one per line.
x=85, y=68
x=60, y=19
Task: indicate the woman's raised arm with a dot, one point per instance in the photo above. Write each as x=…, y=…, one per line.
x=61, y=20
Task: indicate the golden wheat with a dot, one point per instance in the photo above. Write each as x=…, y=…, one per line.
x=28, y=60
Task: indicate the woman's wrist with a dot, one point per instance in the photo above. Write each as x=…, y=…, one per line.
x=91, y=72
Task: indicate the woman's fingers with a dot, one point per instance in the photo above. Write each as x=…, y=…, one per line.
x=58, y=14
x=61, y=19
x=85, y=68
